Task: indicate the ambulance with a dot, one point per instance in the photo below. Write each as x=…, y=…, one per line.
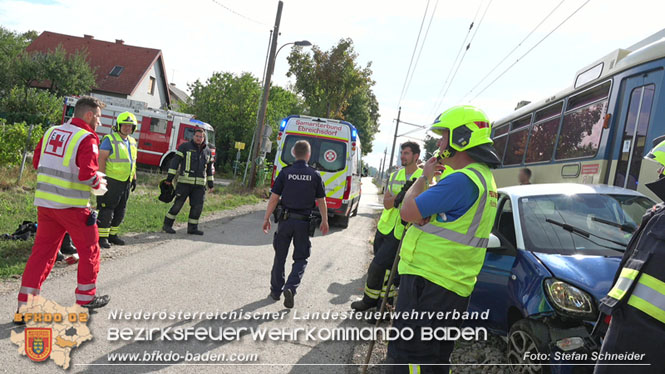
x=335, y=154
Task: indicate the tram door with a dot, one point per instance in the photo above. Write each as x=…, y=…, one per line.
x=637, y=99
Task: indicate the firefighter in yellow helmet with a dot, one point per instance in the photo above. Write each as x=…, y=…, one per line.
x=117, y=158
x=636, y=302
x=444, y=249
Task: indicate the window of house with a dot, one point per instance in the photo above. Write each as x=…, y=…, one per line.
x=115, y=72
x=151, y=88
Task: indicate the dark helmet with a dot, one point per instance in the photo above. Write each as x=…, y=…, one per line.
x=167, y=192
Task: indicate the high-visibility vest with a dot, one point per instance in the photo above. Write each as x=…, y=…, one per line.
x=451, y=254
x=58, y=184
x=390, y=218
x=641, y=280
x=118, y=165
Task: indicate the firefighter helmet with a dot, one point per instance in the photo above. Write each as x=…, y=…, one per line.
x=125, y=118
x=657, y=153
x=468, y=127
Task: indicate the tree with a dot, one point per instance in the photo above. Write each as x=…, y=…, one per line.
x=430, y=146
x=11, y=46
x=334, y=86
x=230, y=104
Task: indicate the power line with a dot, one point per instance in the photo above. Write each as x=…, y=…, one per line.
x=449, y=80
x=514, y=49
x=415, y=48
x=240, y=15
x=530, y=49
x=422, y=45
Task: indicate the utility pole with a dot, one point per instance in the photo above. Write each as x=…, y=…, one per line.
x=392, y=153
x=382, y=164
x=258, y=134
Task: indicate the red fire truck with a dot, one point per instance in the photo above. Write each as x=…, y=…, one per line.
x=159, y=132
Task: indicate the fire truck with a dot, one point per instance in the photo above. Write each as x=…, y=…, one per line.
x=158, y=134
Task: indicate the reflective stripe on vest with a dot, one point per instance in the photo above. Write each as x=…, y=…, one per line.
x=118, y=165
x=58, y=185
x=398, y=231
x=390, y=217
x=469, y=238
x=451, y=254
x=648, y=295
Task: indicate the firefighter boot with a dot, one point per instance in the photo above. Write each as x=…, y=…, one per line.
x=104, y=243
x=168, y=225
x=115, y=239
x=376, y=275
x=193, y=229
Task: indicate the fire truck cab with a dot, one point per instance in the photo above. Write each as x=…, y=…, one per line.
x=159, y=132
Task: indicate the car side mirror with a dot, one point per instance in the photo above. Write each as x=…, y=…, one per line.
x=494, y=242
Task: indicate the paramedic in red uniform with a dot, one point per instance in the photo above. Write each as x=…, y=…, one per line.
x=66, y=163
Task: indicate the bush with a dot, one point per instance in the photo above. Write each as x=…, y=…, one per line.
x=32, y=106
x=13, y=139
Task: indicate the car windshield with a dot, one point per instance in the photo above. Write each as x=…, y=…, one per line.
x=327, y=155
x=598, y=214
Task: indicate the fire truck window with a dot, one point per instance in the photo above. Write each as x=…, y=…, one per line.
x=158, y=125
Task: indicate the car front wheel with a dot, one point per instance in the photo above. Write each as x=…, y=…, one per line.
x=527, y=347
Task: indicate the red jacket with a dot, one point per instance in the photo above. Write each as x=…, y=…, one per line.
x=87, y=156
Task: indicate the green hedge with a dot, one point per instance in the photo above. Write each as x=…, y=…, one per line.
x=13, y=140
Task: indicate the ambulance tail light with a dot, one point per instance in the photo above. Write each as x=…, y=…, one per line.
x=279, y=136
x=272, y=180
x=347, y=189
x=353, y=146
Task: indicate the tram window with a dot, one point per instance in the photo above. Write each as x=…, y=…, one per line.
x=500, y=145
x=542, y=140
x=524, y=121
x=550, y=111
x=581, y=132
x=589, y=96
x=501, y=130
x=515, y=148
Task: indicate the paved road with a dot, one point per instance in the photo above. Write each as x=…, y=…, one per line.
x=225, y=270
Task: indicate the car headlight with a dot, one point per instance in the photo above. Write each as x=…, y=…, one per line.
x=569, y=299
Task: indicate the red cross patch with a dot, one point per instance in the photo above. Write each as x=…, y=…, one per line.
x=57, y=142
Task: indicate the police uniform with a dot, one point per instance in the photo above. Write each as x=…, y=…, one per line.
x=299, y=186
x=636, y=302
x=194, y=164
x=389, y=232
x=120, y=174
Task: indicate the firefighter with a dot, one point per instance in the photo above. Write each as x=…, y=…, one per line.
x=299, y=187
x=117, y=158
x=66, y=162
x=389, y=230
x=636, y=302
x=193, y=161
x=443, y=251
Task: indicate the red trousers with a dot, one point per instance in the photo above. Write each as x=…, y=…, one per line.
x=52, y=224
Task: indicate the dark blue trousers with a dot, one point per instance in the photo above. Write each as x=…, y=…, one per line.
x=419, y=294
x=286, y=230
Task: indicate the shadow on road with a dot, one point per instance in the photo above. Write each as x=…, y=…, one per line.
x=345, y=293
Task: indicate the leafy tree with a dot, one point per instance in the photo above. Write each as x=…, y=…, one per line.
x=334, y=86
x=11, y=46
x=430, y=146
x=230, y=104
x=14, y=139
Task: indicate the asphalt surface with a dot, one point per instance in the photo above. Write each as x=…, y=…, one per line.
x=227, y=269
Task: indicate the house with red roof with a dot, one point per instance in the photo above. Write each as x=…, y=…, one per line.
x=121, y=70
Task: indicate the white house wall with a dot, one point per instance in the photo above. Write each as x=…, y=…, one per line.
x=158, y=99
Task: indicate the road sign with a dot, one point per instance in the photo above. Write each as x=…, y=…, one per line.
x=240, y=146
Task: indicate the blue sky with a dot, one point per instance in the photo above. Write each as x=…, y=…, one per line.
x=202, y=36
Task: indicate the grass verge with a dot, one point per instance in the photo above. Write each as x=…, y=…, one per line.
x=144, y=212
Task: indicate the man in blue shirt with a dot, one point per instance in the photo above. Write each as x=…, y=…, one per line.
x=299, y=187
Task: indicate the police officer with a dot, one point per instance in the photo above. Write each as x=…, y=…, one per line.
x=194, y=160
x=389, y=230
x=117, y=158
x=452, y=222
x=299, y=187
x=636, y=302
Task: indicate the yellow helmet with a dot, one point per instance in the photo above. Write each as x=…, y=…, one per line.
x=468, y=127
x=125, y=118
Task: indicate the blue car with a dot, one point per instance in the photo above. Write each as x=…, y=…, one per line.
x=552, y=256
